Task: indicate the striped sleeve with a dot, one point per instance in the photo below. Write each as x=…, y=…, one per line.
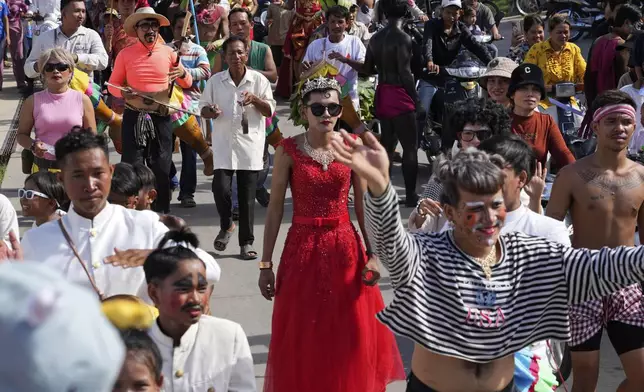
x=592, y=274
x=433, y=189
x=396, y=249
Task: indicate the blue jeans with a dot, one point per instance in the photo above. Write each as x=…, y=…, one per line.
x=188, y=179
x=426, y=93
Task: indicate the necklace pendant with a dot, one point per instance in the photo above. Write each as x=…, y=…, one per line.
x=325, y=167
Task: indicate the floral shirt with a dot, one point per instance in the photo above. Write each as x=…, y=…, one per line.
x=517, y=53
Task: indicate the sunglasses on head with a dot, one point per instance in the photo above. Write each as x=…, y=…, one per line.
x=146, y=26
x=60, y=67
x=481, y=134
x=318, y=109
x=30, y=194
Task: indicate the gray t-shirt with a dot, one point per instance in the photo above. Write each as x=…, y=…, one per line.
x=485, y=17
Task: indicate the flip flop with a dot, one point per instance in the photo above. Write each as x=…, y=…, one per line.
x=222, y=239
x=248, y=253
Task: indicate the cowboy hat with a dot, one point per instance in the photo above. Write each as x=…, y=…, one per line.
x=142, y=14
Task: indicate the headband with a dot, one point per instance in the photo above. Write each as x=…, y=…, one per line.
x=621, y=108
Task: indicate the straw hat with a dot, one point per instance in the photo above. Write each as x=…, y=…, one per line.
x=500, y=66
x=142, y=14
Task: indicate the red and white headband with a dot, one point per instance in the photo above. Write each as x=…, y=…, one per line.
x=621, y=108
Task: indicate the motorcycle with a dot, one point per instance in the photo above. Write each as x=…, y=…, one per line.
x=260, y=25
x=435, y=5
x=583, y=16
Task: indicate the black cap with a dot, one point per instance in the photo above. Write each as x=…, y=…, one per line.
x=526, y=74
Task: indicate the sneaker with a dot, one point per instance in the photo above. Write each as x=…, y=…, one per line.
x=188, y=202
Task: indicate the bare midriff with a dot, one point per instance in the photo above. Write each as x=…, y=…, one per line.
x=449, y=374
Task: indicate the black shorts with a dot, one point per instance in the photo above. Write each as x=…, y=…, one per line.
x=623, y=337
x=415, y=385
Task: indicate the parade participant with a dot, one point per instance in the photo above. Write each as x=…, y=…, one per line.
x=93, y=243
x=521, y=43
x=308, y=16
x=355, y=351
x=357, y=28
x=125, y=186
x=199, y=352
x=604, y=194
x=442, y=41
x=213, y=25
x=5, y=37
x=148, y=192
x=43, y=198
x=496, y=80
x=17, y=8
x=559, y=60
x=53, y=112
x=148, y=67
x=85, y=44
x=538, y=129
x=396, y=98
x=472, y=346
x=195, y=61
x=142, y=368
x=278, y=19
x=608, y=64
x=239, y=100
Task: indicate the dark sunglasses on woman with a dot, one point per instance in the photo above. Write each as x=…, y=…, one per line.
x=318, y=109
x=481, y=134
x=60, y=67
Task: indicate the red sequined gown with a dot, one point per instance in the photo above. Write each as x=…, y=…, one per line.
x=325, y=336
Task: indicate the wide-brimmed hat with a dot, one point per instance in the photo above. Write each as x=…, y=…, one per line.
x=526, y=74
x=500, y=66
x=142, y=14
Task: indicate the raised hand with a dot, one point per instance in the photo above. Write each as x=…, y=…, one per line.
x=368, y=160
x=11, y=251
x=537, y=184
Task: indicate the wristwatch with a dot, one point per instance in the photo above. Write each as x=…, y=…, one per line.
x=265, y=265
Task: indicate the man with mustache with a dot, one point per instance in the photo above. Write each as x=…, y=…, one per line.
x=151, y=68
x=604, y=195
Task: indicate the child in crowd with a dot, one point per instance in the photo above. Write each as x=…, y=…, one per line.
x=469, y=18
x=126, y=186
x=43, y=198
x=148, y=192
x=143, y=364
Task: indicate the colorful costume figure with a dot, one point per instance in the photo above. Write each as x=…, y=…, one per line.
x=308, y=17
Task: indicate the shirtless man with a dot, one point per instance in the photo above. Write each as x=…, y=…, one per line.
x=212, y=23
x=604, y=194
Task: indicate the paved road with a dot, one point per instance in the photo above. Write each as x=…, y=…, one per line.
x=237, y=297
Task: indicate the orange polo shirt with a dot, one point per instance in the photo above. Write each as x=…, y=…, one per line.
x=135, y=67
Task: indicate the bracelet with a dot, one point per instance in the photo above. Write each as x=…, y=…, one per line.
x=369, y=253
x=265, y=265
x=418, y=208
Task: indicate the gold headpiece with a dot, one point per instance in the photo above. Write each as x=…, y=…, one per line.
x=320, y=83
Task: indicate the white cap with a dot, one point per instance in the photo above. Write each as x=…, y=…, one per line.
x=451, y=3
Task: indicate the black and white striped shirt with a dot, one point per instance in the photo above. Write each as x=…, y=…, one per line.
x=444, y=302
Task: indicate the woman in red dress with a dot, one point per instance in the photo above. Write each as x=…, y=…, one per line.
x=325, y=336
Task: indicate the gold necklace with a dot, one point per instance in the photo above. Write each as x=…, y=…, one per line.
x=487, y=262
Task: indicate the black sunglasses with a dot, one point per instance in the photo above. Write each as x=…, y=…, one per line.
x=318, y=109
x=60, y=67
x=146, y=26
x=481, y=134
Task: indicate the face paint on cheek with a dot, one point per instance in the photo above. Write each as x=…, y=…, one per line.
x=176, y=302
x=471, y=221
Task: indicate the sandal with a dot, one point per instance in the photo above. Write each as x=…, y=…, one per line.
x=248, y=253
x=223, y=238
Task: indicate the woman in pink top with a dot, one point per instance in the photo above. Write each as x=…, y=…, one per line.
x=53, y=112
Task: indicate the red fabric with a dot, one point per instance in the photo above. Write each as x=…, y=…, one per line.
x=142, y=3
x=541, y=132
x=392, y=101
x=602, y=63
x=325, y=336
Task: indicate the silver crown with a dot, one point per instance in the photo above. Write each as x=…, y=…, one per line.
x=320, y=83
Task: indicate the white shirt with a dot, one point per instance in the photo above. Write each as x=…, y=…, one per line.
x=234, y=150
x=45, y=7
x=85, y=43
x=350, y=47
x=95, y=240
x=637, y=141
x=8, y=219
x=213, y=355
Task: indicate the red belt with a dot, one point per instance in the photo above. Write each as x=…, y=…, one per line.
x=321, y=222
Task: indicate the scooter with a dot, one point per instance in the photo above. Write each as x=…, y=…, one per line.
x=582, y=15
x=260, y=25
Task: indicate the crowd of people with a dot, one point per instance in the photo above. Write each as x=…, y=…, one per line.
x=488, y=275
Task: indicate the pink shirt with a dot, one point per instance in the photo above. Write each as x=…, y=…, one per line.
x=56, y=114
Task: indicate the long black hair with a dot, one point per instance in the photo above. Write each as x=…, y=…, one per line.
x=48, y=183
x=163, y=262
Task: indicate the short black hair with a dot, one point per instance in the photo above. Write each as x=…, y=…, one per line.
x=395, y=8
x=353, y=8
x=64, y=3
x=231, y=40
x=514, y=150
x=481, y=111
x=125, y=181
x=138, y=342
x=48, y=183
x=162, y=262
x=626, y=12
x=612, y=97
x=180, y=15
x=338, y=11
x=556, y=20
x=240, y=11
x=146, y=176
x=531, y=20
x=79, y=139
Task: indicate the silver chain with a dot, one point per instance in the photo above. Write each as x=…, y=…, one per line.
x=323, y=158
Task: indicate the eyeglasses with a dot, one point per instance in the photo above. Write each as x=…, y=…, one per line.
x=469, y=134
x=146, y=26
x=29, y=194
x=60, y=67
x=318, y=109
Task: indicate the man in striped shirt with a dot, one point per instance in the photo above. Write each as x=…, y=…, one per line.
x=604, y=194
x=470, y=298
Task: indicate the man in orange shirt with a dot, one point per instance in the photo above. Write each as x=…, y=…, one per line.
x=148, y=67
